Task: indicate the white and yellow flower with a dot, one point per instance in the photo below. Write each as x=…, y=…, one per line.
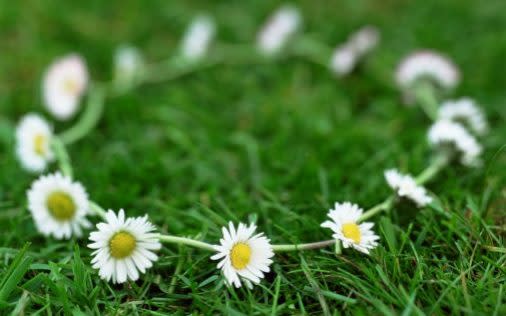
x=245, y=256
x=198, y=37
x=63, y=86
x=347, y=229
x=33, y=143
x=58, y=206
x=448, y=135
x=280, y=27
x=464, y=111
x=123, y=247
x=405, y=186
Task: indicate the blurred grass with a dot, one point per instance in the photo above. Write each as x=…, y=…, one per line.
x=282, y=141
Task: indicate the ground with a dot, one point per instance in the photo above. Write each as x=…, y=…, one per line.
x=279, y=142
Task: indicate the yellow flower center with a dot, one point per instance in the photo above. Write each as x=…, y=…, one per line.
x=240, y=255
x=122, y=245
x=61, y=206
x=70, y=86
x=351, y=231
x=39, y=144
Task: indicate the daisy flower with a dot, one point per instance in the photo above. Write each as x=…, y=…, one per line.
x=466, y=111
x=344, y=59
x=198, y=37
x=427, y=65
x=123, y=247
x=448, y=135
x=279, y=28
x=59, y=206
x=128, y=64
x=344, y=223
x=33, y=143
x=244, y=255
x=63, y=86
x=364, y=40
x=405, y=186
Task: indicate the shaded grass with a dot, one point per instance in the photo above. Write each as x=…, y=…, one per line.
x=279, y=143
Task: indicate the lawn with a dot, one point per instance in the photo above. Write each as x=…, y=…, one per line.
x=276, y=142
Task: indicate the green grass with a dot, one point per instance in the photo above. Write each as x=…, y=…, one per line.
x=280, y=142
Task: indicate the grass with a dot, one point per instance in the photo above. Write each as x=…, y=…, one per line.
x=275, y=142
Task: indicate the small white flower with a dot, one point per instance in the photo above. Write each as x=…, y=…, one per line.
x=128, y=65
x=64, y=84
x=343, y=60
x=405, y=186
x=466, y=111
x=244, y=255
x=123, y=247
x=364, y=40
x=430, y=65
x=444, y=133
x=59, y=206
x=344, y=223
x=198, y=37
x=33, y=143
x=282, y=25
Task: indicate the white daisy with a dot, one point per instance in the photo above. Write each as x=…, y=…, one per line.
x=123, y=247
x=430, y=65
x=33, y=143
x=198, y=37
x=59, y=206
x=282, y=25
x=448, y=135
x=128, y=65
x=64, y=84
x=466, y=111
x=405, y=186
x=344, y=59
x=344, y=223
x=244, y=255
x=364, y=40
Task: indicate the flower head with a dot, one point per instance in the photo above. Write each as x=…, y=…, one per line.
x=343, y=60
x=364, y=40
x=427, y=65
x=33, y=143
x=244, y=255
x=405, y=186
x=128, y=65
x=64, y=84
x=344, y=223
x=123, y=247
x=464, y=111
x=59, y=206
x=198, y=37
x=282, y=25
x=448, y=135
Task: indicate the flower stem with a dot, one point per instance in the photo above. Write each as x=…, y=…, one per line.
x=425, y=94
x=97, y=209
x=432, y=170
x=185, y=241
x=378, y=208
x=296, y=247
x=89, y=118
x=62, y=156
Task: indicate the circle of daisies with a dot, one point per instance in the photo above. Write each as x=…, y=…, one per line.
x=125, y=247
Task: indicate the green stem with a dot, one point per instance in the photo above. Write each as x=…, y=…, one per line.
x=425, y=94
x=97, y=209
x=378, y=208
x=185, y=241
x=297, y=247
x=62, y=157
x=432, y=170
x=89, y=118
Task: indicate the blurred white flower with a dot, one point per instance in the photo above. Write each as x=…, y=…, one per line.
x=343, y=60
x=198, y=37
x=465, y=111
x=427, y=65
x=243, y=255
x=364, y=40
x=124, y=247
x=64, y=84
x=128, y=65
x=344, y=223
x=405, y=186
x=449, y=135
x=283, y=24
x=33, y=143
x=59, y=206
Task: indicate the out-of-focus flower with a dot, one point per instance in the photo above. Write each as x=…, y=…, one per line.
x=198, y=37
x=33, y=143
x=364, y=40
x=465, y=111
x=128, y=66
x=64, y=84
x=405, y=186
x=448, y=135
x=279, y=28
x=59, y=206
x=343, y=60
